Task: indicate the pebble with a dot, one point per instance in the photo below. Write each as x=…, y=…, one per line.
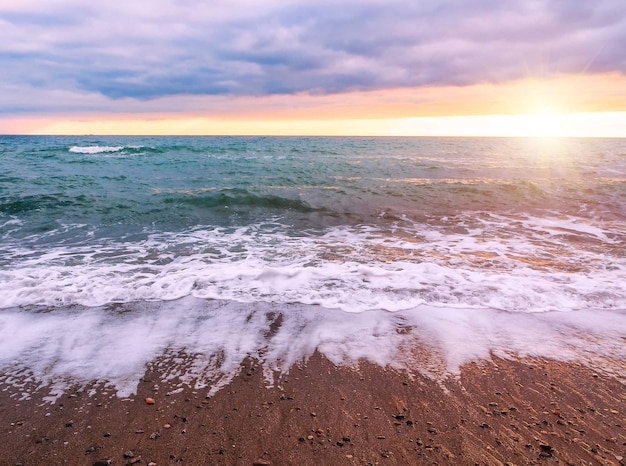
x=167, y=426
x=149, y=401
x=102, y=463
x=261, y=463
x=152, y=463
x=546, y=451
x=90, y=450
x=129, y=454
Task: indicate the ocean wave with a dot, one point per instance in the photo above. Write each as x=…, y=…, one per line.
x=15, y=206
x=115, y=150
x=240, y=197
x=95, y=149
x=352, y=269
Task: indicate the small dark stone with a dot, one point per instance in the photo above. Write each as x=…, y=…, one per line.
x=484, y=425
x=107, y=434
x=129, y=454
x=346, y=439
x=409, y=423
x=90, y=450
x=340, y=444
x=102, y=463
x=301, y=439
x=399, y=417
x=545, y=447
x=184, y=419
x=69, y=424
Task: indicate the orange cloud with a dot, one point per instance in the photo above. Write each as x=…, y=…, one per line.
x=436, y=109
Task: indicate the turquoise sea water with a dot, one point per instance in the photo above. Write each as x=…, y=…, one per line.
x=342, y=225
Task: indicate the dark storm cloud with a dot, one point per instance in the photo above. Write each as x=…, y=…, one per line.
x=170, y=48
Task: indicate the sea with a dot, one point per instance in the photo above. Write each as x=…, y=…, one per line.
x=195, y=253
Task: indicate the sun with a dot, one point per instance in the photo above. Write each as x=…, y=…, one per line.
x=545, y=122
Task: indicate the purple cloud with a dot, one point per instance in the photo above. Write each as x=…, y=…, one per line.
x=168, y=48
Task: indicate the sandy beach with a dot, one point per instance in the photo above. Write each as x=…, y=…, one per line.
x=499, y=412
x=315, y=300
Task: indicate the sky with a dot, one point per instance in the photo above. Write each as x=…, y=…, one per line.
x=372, y=67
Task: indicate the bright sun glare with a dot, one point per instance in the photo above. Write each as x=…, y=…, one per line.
x=545, y=123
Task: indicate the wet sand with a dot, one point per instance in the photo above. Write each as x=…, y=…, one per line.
x=497, y=412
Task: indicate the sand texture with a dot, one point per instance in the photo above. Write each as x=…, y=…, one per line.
x=497, y=412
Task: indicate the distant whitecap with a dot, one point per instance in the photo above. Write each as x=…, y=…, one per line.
x=95, y=149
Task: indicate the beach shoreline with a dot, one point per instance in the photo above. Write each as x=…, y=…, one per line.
x=502, y=411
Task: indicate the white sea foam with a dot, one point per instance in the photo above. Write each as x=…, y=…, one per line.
x=479, y=286
x=80, y=345
x=352, y=269
x=95, y=149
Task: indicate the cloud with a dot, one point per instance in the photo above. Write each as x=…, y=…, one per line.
x=166, y=48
